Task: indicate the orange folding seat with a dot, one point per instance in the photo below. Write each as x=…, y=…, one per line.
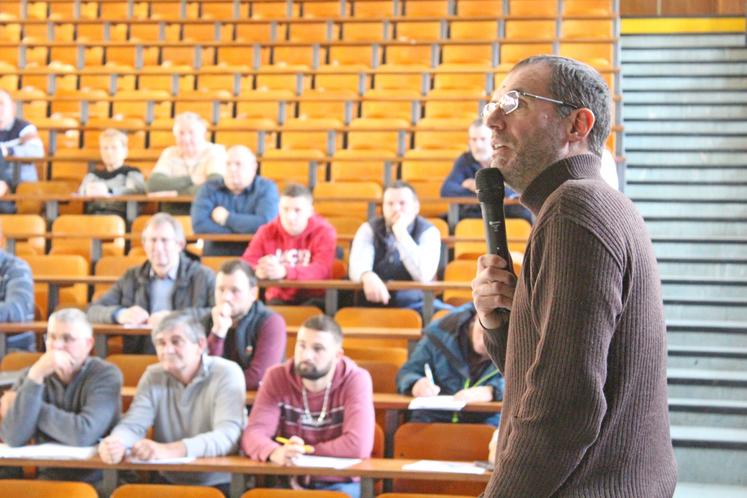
x=454, y=103
x=588, y=8
x=337, y=76
x=224, y=10
x=169, y=78
x=206, y=32
x=264, y=31
x=25, y=224
x=322, y=134
x=283, y=76
x=292, y=166
x=58, y=265
x=70, y=103
x=420, y=31
x=365, y=31
x=322, y=103
x=376, y=10
x=474, y=30
x=367, y=165
x=325, y=9
x=360, y=194
x=264, y=103
x=394, y=104
x=308, y=55
x=428, y=164
x=273, y=10
x=469, y=55
x=530, y=30
x=443, y=441
x=88, y=226
x=313, y=31
x=441, y=133
x=511, y=53
x=425, y=8
x=407, y=77
x=205, y=102
x=599, y=55
x=533, y=8
x=359, y=55
x=379, y=133
x=407, y=54
x=236, y=131
x=135, y=103
x=584, y=29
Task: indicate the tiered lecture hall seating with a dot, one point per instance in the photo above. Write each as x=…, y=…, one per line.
x=342, y=96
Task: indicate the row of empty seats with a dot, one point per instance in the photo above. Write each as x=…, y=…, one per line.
x=283, y=9
x=485, y=28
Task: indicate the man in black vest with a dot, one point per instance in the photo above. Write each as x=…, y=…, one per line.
x=241, y=327
x=401, y=245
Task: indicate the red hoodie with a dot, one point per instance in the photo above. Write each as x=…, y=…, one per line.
x=307, y=256
x=346, y=432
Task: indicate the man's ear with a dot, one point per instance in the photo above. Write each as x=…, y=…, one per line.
x=582, y=124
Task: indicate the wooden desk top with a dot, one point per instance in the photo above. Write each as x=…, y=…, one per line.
x=376, y=468
x=382, y=401
x=435, y=286
x=40, y=327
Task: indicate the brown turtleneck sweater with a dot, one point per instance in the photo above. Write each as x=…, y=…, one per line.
x=585, y=409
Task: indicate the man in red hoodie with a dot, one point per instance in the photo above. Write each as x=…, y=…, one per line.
x=297, y=245
x=320, y=402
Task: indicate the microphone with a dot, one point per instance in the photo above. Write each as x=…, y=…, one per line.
x=490, y=193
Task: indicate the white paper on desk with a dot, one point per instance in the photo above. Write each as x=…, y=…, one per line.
x=166, y=461
x=444, y=466
x=324, y=462
x=437, y=403
x=48, y=451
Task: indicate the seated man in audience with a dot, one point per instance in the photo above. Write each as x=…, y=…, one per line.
x=321, y=399
x=401, y=245
x=65, y=397
x=16, y=299
x=461, y=180
x=240, y=202
x=168, y=280
x=115, y=179
x=451, y=358
x=297, y=245
x=241, y=328
x=18, y=138
x=184, y=167
x=195, y=404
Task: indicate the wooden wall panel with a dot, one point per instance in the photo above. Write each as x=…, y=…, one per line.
x=678, y=8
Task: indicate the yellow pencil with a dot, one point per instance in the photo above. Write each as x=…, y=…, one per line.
x=284, y=440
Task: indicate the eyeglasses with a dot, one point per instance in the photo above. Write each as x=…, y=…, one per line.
x=509, y=101
x=65, y=338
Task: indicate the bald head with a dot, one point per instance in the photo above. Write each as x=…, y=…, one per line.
x=241, y=168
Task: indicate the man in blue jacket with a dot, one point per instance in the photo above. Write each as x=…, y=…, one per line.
x=241, y=202
x=454, y=353
x=16, y=298
x=461, y=180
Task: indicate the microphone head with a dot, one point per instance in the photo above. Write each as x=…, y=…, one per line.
x=489, y=185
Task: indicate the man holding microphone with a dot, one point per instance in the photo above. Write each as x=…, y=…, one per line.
x=580, y=336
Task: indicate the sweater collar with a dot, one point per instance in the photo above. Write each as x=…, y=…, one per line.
x=571, y=168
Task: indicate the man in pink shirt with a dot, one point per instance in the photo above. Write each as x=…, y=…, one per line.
x=319, y=402
x=297, y=245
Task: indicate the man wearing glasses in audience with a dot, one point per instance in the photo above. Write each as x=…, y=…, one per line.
x=169, y=280
x=65, y=397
